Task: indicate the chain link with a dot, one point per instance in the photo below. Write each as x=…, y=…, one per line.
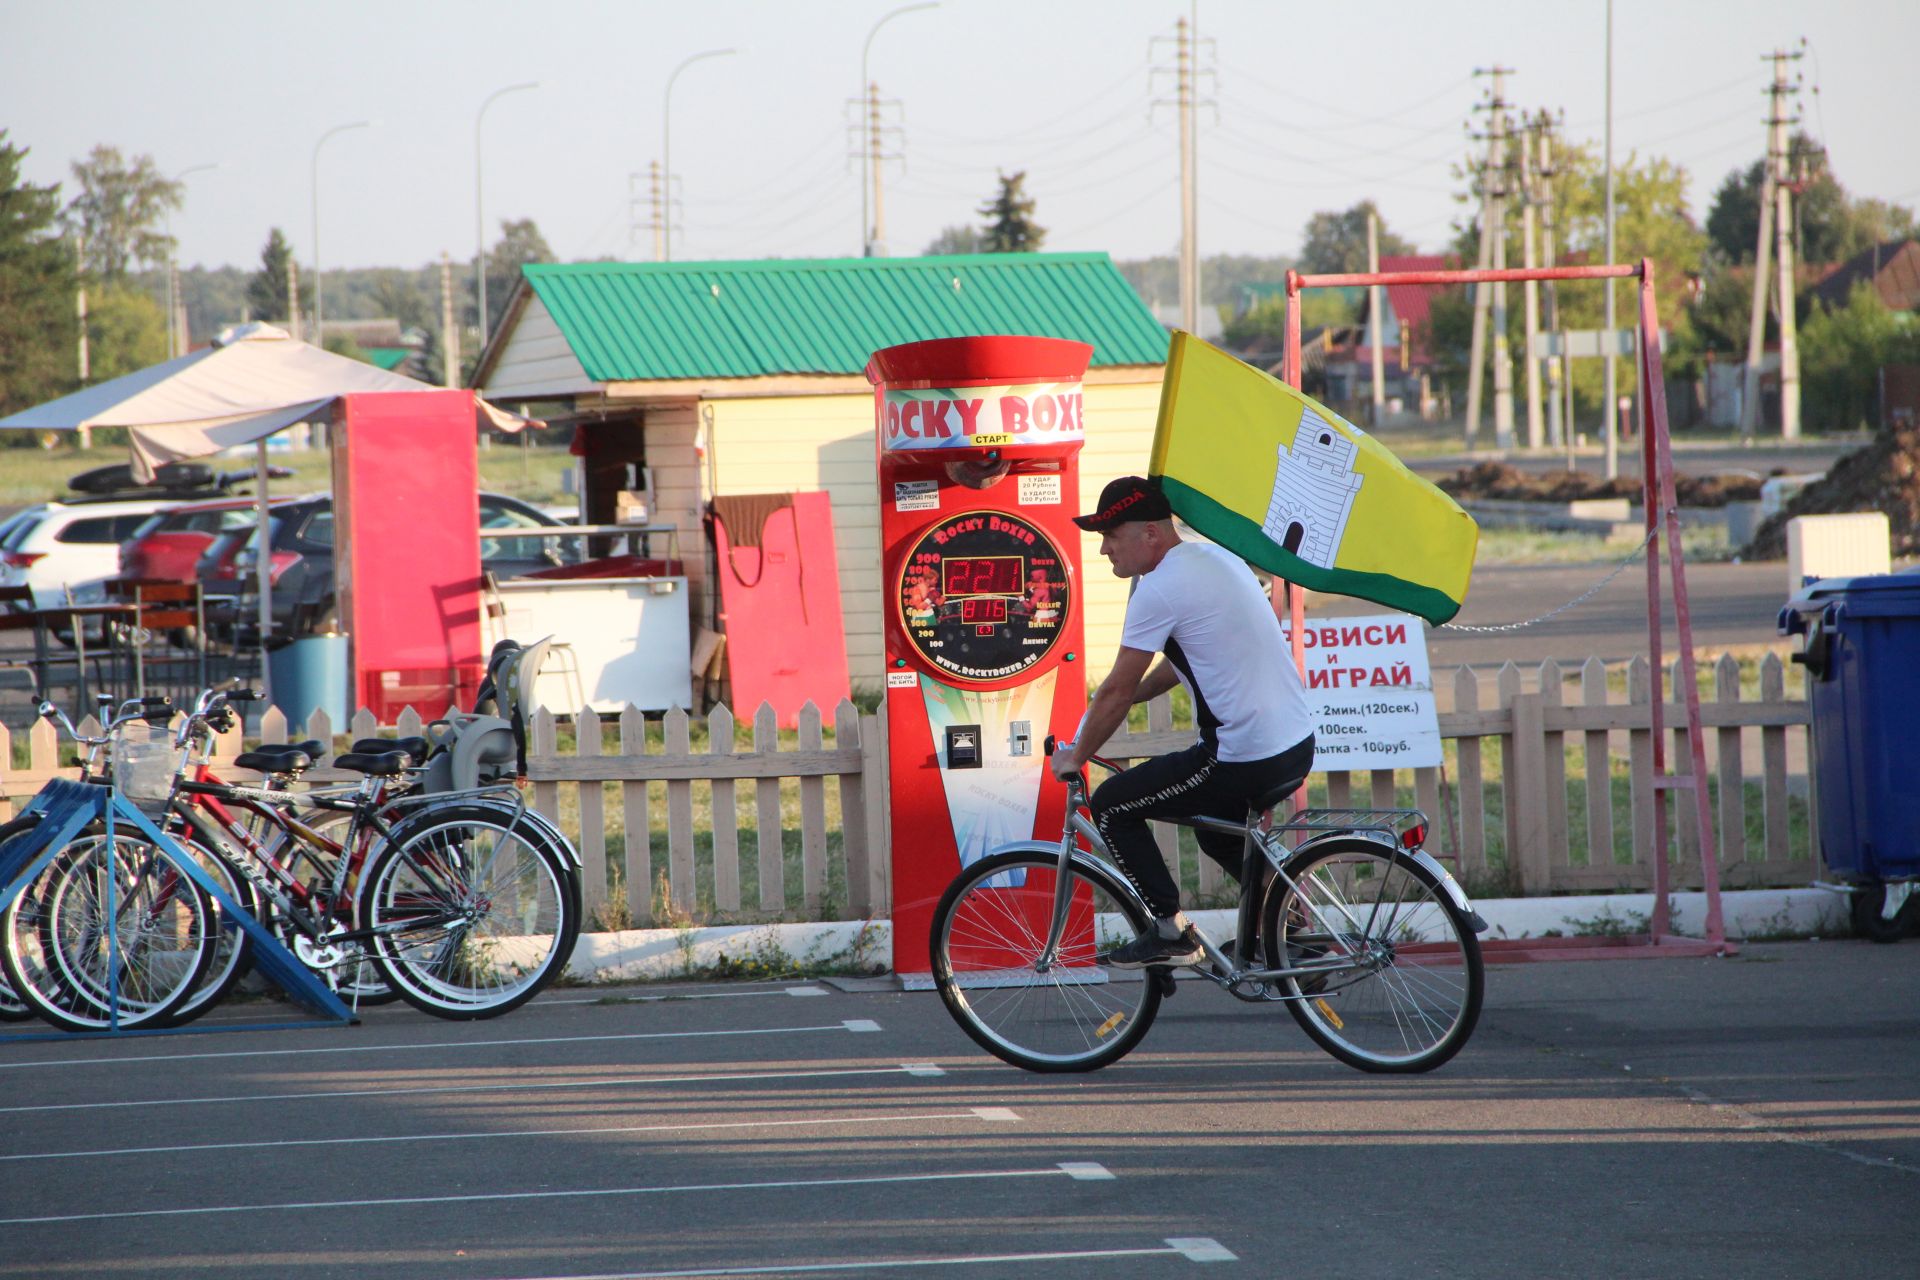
x=1580, y=599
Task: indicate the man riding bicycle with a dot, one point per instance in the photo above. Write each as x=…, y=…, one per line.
x=1202, y=608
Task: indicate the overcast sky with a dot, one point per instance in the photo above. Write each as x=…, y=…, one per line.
x=1314, y=106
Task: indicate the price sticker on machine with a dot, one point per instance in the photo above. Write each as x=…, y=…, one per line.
x=1371, y=691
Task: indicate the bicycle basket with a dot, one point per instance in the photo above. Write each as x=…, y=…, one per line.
x=145, y=762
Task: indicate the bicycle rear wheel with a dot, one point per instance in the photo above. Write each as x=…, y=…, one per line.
x=55, y=940
x=988, y=937
x=12, y=1007
x=470, y=917
x=1398, y=977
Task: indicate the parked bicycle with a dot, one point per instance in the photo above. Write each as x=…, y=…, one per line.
x=1361, y=934
x=465, y=904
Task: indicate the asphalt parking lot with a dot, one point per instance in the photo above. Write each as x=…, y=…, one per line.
x=1757, y=1115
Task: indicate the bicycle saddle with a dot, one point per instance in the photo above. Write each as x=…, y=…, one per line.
x=384, y=764
x=416, y=748
x=286, y=757
x=1274, y=796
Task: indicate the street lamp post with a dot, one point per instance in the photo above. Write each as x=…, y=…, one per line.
x=666, y=144
x=319, y=334
x=173, y=266
x=479, y=221
x=866, y=178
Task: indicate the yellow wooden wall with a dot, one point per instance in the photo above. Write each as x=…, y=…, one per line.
x=826, y=443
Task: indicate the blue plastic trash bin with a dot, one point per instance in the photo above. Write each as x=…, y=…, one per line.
x=310, y=675
x=1862, y=655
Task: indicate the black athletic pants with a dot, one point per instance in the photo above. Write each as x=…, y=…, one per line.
x=1183, y=785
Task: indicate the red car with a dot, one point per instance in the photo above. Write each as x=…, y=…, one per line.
x=168, y=545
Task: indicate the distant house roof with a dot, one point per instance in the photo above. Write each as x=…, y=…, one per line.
x=1893, y=268
x=388, y=358
x=687, y=320
x=1412, y=303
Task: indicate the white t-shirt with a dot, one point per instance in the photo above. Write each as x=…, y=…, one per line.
x=1203, y=608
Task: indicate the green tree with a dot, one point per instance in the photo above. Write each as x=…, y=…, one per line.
x=269, y=292
x=520, y=243
x=1651, y=220
x=1841, y=353
x=126, y=331
x=397, y=294
x=951, y=240
x=1010, y=226
x=118, y=212
x=37, y=328
x=1337, y=241
x=1831, y=226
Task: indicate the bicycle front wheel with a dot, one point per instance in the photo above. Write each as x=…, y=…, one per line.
x=60, y=937
x=469, y=917
x=988, y=945
x=1389, y=977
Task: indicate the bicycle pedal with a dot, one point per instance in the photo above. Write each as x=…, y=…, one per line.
x=1162, y=980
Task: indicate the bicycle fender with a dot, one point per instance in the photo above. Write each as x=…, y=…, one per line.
x=1447, y=882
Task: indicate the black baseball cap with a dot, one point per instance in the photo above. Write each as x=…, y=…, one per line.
x=1126, y=499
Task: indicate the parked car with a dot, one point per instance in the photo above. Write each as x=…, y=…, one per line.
x=169, y=545
x=300, y=567
x=58, y=547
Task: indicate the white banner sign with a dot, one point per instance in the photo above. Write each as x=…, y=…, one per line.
x=1371, y=692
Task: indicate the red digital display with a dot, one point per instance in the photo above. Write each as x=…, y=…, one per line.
x=982, y=576
x=983, y=611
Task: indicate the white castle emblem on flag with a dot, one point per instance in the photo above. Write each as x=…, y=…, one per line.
x=1314, y=486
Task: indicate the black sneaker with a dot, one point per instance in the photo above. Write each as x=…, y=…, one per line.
x=1150, y=949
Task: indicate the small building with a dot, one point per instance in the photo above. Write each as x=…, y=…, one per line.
x=722, y=378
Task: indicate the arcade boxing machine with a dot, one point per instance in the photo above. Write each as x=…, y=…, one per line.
x=978, y=442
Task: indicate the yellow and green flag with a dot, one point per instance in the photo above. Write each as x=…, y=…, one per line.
x=1291, y=486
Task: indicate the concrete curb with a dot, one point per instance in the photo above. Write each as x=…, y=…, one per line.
x=867, y=945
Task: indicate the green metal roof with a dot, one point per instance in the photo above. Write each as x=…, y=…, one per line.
x=664, y=320
x=388, y=358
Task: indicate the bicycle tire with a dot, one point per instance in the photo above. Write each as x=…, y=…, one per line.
x=232, y=956
x=12, y=1007
x=1403, y=980
x=52, y=939
x=357, y=981
x=987, y=935
x=520, y=914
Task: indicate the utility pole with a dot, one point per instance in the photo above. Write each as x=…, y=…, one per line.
x=877, y=241
x=80, y=303
x=1783, y=177
x=1502, y=357
x=1529, y=258
x=1186, y=100
x=1493, y=255
x=1559, y=432
x=293, y=296
x=1374, y=318
x=1609, y=427
x=450, y=336
x=648, y=212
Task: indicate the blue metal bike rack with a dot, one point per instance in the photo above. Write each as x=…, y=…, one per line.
x=66, y=809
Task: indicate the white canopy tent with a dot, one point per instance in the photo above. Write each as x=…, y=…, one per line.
x=253, y=381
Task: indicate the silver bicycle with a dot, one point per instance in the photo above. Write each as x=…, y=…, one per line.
x=1343, y=918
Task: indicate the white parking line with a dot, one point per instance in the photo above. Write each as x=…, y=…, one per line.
x=231, y=1100
x=784, y=1184
x=858, y=1024
x=1192, y=1248
x=990, y=1114
x=693, y=995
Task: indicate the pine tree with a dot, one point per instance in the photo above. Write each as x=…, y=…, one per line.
x=37, y=279
x=269, y=289
x=1010, y=226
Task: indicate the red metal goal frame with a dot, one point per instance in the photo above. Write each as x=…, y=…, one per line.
x=1662, y=524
